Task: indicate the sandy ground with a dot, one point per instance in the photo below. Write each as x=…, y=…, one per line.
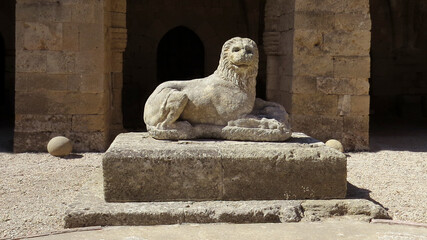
x=35, y=189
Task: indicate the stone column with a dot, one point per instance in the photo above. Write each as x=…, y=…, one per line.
x=60, y=74
x=319, y=66
x=331, y=69
x=115, y=46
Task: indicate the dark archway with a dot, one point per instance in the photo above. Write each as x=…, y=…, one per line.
x=398, y=84
x=180, y=55
x=2, y=76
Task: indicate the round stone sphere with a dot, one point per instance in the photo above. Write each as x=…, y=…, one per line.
x=335, y=144
x=60, y=146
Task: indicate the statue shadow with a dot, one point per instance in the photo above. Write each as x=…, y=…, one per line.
x=354, y=192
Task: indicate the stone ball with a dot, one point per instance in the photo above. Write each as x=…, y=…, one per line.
x=335, y=144
x=60, y=146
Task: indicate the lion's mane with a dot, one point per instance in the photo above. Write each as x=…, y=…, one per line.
x=244, y=79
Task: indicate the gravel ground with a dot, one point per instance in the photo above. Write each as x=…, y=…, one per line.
x=35, y=189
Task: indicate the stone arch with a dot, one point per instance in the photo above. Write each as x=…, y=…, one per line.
x=180, y=55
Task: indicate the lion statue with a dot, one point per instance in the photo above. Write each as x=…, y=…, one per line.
x=222, y=105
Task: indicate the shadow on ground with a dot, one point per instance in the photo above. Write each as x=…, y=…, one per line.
x=354, y=192
x=399, y=136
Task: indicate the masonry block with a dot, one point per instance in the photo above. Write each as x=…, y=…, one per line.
x=305, y=65
x=88, y=123
x=139, y=168
x=86, y=83
x=314, y=20
x=353, y=6
x=42, y=36
x=91, y=36
x=31, y=61
x=360, y=105
x=352, y=67
x=61, y=62
x=343, y=86
x=352, y=22
x=304, y=84
x=315, y=104
x=321, y=127
x=342, y=43
x=70, y=40
x=42, y=123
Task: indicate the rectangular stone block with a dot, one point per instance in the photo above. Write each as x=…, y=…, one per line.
x=320, y=127
x=352, y=21
x=343, y=86
x=342, y=43
x=353, y=6
x=304, y=84
x=315, y=104
x=139, y=168
x=352, y=67
x=314, y=20
x=88, y=123
x=316, y=66
x=42, y=123
x=70, y=40
x=86, y=83
x=61, y=62
x=31, y=61
x=42, y=36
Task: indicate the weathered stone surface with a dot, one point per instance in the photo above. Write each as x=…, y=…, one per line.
x=222, y=105
x=343, y=86
x=90, y=209
x=140, y=168
x=352, y=67
x=317, y=209
x=60, y=146
x=42, y=36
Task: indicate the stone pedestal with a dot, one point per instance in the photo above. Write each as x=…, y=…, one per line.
x=139, y=168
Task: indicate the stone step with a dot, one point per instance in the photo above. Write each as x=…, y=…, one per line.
x=137, y=167
x=91, y=209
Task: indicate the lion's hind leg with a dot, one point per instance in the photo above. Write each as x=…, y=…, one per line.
x=171, y=108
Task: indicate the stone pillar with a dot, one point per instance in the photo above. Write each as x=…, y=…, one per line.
x=116, y=45
x=278, y=42
x=61, y=88
x=320, y=66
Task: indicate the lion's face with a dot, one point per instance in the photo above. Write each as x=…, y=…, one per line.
x=240, y=54
x=239, y=62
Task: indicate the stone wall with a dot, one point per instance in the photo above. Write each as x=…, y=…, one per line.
x=321, y=67
x=61, y=88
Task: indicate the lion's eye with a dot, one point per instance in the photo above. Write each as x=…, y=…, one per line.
x=236, y=49
x=248, y=51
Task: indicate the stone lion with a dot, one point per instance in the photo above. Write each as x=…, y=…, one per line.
x=222, y=105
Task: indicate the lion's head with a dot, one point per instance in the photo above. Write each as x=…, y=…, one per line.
x=239, y=62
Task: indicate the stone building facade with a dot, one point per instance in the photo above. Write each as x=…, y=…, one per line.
x=83, y=68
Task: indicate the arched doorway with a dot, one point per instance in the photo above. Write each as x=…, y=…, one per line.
x=2, y=76
x=180, y=55
x=398, y=69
